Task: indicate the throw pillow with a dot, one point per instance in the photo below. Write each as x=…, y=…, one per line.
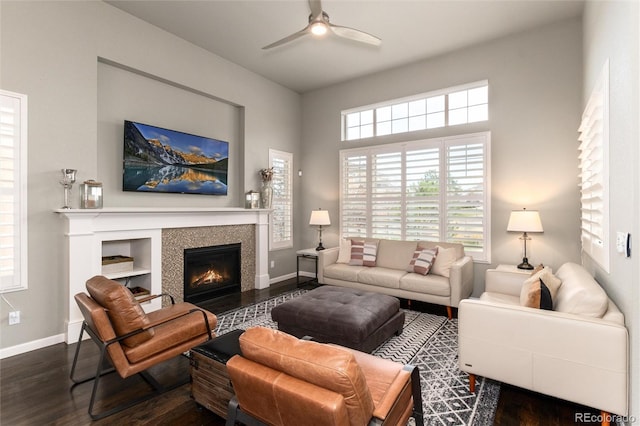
x=422, y=261
x=363, y=253
x=540, y=290
x=444, y=260
x=537, y=269
x=344, y=255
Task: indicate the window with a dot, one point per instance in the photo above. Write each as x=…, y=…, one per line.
x=282, y=204
x=447, y=107
x=433, y=190
x=13, y=191
x=594, y=172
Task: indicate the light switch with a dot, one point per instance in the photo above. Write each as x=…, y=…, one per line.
x=623, y=243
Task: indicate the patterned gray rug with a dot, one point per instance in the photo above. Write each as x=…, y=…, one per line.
x=427, y=341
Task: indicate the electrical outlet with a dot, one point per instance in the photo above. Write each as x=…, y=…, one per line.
x=14, y=317
x=273, y=263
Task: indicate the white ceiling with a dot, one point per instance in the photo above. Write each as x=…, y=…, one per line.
x=410, y=30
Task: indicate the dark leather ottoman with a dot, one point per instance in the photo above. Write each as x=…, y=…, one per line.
x=357, y=319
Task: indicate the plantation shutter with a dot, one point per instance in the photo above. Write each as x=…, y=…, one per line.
x=423, y=193
x=386, y=195
x=354, y=195
x=465, y=193
x=13, y=202
x=594, y=176
x=429, y=190
x=282, y=203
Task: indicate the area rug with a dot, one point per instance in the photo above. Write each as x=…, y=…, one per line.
x=427, y=341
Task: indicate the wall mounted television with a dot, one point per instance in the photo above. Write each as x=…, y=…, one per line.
x=168, y=161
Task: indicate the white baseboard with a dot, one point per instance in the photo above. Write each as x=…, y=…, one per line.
x=291, y=275
x=31, y=346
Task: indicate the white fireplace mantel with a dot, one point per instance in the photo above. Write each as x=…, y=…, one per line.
x=85, y=231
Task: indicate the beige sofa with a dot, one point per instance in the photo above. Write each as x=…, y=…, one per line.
x=577, y=352
x=390, y=276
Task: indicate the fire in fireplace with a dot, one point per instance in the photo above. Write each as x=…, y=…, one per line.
x=211, y=271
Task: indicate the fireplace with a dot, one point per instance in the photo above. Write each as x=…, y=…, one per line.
x=211, y=271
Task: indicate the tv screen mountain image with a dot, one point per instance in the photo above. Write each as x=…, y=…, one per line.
x=169, y=161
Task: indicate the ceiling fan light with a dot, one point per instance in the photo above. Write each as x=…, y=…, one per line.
x=318, y=29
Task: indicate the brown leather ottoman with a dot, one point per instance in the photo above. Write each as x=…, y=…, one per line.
x=357, y=319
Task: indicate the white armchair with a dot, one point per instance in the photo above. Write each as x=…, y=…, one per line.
x=579, y=354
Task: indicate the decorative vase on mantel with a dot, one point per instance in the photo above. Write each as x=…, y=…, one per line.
x=266, y=192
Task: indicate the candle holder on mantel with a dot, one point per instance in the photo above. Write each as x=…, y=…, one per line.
x=67, y=181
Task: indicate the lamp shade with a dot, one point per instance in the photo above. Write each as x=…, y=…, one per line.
x=525, y=221
x=319, y=217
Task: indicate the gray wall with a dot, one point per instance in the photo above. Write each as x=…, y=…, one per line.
x=535, y=106
x=611, y=32
x=52, y=52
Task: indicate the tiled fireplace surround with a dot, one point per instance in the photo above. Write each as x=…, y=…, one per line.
x=166, y=232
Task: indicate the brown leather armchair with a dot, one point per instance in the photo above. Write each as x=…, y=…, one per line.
x=132, y=340
x=281, y=380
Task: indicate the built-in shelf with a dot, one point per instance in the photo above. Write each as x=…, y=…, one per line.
x=128, y=274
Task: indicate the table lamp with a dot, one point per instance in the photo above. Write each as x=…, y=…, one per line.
x=319, y=218
x=525, y=221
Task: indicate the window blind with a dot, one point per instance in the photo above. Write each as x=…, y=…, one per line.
x=434, y=190
x=282, y=203
x=594, y=173
x=13, y=196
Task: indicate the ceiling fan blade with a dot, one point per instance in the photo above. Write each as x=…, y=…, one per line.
x=316, y=8
x=287, y=39
x=355, y=35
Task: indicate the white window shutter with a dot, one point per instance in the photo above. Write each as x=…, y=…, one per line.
x=430, y=190
x=13, y=191
x=281, y=218
x=594, y=172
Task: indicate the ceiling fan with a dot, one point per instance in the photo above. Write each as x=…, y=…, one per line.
x=319, y=25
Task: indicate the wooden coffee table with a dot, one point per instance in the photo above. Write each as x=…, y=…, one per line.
x=210, y=382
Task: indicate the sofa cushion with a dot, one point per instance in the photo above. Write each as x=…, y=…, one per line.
x=363, y=253
x=422, y=261
x=124, y=311
x=381, y=277
x=339, y=271
x=539, y=291
x=459, y=248
x=395, y=254
x=580, y=293
x=327, y=366
x=344, y=255
x=427, y=284
x=445, y=258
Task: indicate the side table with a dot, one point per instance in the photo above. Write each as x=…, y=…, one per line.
x=309, y=253
x=210, y=382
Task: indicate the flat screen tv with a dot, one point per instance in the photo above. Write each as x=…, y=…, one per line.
x=163, y=160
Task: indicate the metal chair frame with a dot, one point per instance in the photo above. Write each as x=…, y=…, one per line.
x=157, y=388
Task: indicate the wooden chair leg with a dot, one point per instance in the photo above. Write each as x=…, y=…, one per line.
x=449, y=312
x=472, y=383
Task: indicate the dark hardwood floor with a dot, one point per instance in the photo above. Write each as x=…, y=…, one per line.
x=35, y=388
